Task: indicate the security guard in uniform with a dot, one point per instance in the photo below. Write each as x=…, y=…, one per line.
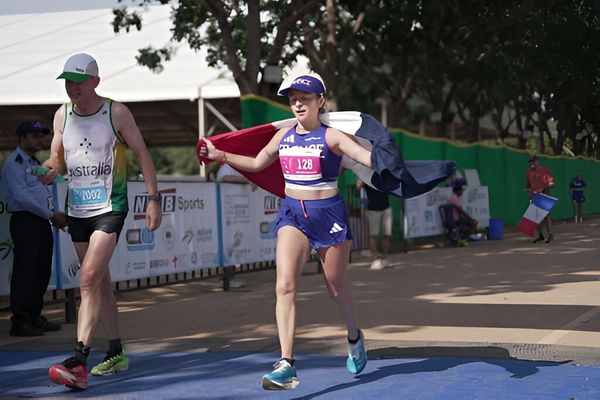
x=31, y=204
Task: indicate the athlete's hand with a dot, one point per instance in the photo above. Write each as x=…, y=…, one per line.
x=153, y=215
x=208, y=150
x=48, y=177
x=59, y=220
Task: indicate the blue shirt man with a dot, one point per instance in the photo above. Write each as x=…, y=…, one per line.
x=577, y=187
x=23, y=190
x=31, y=206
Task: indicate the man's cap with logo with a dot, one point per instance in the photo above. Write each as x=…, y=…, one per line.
x=31, y=127
x=79, y=68
x=311, y=83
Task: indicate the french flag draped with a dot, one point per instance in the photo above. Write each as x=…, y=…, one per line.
x=540, y=206
x=389, y=172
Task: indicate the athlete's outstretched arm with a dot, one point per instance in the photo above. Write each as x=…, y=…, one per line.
x=263, y=159
x=128, y=129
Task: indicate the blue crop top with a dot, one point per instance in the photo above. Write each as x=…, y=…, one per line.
x=307, y=161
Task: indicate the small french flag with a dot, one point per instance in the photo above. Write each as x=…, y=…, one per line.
x=540, y=206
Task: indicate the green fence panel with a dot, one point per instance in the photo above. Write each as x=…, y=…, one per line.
x=562, y=209
x=466, y=157
x=501, y=169
x=517, y=199
x=491, y=174
x=415, y=147
x=258, y=110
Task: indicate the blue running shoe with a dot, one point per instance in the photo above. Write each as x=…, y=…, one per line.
x=283, y=377
x=357, y=356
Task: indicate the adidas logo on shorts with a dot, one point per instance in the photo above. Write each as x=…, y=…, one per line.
x=336, y=228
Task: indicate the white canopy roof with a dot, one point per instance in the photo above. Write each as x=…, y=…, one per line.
x=34, y=47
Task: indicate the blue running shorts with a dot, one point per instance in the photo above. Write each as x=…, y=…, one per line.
x=323, y=222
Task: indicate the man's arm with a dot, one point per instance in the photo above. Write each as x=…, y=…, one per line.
x=461, y=211
x=125, y=124
x=56, y=161
x=465, y=214
x=549, y=178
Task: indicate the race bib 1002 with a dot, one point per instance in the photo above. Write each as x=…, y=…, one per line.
x=87, y=197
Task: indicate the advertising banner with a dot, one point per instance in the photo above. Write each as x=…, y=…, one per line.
x=265, y=208
x=235, y=223
x=196, y=232
x=187, y=238
x=247, y=223
x=422, y=218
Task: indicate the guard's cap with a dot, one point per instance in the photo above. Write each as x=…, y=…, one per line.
x=31, y=127
x=79, y=68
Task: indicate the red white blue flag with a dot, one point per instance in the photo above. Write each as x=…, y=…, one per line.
x=389, y=172
x=538, y=209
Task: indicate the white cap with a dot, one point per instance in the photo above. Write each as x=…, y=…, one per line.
x=79, y=68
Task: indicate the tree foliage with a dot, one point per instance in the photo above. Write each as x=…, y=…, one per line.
x=245, y=36
x=521, y=64
x=527, y=66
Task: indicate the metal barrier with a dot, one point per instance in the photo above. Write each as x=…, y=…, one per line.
x=356, y=219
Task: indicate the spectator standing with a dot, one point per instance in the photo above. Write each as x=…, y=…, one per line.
x=539, y=179
x=31, y=205
x=379, y=217
x=577, y=187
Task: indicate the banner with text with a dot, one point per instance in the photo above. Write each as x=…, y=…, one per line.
x=186, y=239
x=247, y=224
x=197, y=231
x=422, y=217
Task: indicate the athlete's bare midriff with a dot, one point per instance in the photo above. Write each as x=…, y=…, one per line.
x=311, y=194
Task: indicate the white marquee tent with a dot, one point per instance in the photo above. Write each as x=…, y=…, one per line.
x=35, y=44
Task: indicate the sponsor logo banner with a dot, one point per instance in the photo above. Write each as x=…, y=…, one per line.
x=422, y=217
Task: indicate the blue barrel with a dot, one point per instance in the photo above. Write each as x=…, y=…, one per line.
x=496, y=228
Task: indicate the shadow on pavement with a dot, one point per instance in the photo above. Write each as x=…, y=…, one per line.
x=516, y=368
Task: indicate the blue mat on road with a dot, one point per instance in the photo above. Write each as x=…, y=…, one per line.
x=224, y=375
